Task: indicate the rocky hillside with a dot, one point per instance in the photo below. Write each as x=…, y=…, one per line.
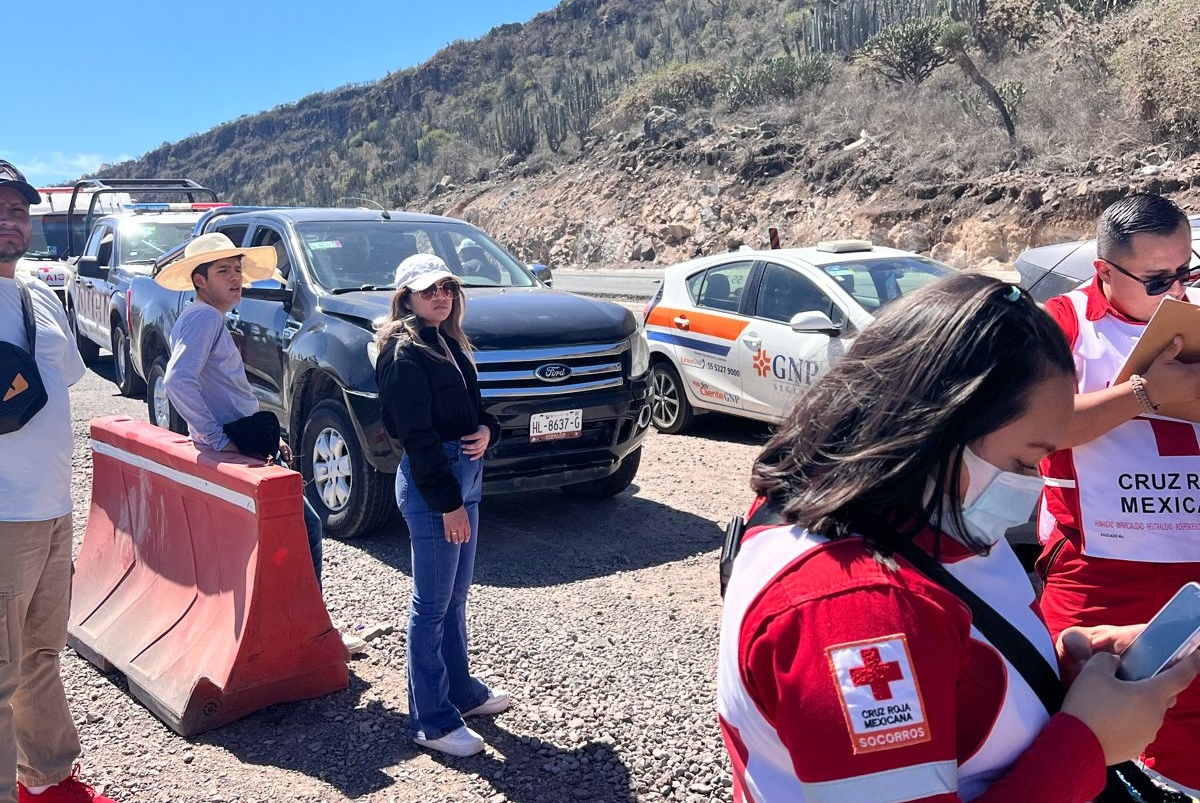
x=678, y=190
x=606, y=133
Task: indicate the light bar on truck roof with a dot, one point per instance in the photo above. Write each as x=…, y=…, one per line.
x=844, y=246
x=182, y=207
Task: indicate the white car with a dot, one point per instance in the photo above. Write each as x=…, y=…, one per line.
x=747, y=333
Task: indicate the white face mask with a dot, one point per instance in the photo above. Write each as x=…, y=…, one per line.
x=996, y=499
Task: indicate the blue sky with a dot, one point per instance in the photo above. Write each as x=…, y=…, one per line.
x=93, y=82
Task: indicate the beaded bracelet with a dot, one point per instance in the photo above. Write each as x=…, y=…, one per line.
x=1143, y=398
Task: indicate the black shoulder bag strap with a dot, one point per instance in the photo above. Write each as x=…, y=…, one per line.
x=769, y=512
x=1003, y=635
x=1127, y=782
x=27, y=315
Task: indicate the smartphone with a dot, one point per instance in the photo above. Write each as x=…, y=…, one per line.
x=1171, y=635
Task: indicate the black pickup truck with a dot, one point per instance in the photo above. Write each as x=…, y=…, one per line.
x=567, y=376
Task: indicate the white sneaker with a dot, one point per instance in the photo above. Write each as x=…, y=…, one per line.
x=498, y=700
x=461, y=742
x=353, y=644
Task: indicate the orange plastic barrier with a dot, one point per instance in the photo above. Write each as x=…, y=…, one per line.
x=196, y=582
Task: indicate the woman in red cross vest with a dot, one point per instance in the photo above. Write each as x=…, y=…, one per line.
x=846, y=672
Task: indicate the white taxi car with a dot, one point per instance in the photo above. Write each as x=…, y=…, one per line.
x=747, y=333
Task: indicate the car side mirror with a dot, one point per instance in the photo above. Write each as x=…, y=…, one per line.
x=542, y=273
x=814, y=322
x=90, y=267
x=268, y=290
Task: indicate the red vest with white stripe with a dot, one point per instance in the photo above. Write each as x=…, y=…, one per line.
x=1134, y=492
x=926, y=711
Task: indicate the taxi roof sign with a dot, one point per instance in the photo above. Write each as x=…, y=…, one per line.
x=844, y=246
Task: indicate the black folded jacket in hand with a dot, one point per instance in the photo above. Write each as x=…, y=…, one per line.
x=255, y=435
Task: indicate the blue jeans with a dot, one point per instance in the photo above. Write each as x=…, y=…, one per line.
x=312, y=526
x=440, y=685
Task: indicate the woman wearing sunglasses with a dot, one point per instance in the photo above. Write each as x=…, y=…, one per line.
x=1121, y=508
x=429, y=394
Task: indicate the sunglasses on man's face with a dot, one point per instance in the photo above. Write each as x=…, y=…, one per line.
x=447, y=288
x=1161, y=284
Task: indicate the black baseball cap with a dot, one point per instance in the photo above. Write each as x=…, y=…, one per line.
x=11, y=177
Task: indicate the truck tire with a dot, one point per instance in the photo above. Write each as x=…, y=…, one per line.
x=350, y=495
x=670, y=411
x=88, y=350
x=162, y=412
x=611, y=485
x=128, y=382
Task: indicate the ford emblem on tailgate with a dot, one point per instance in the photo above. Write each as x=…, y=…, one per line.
x=553, y=372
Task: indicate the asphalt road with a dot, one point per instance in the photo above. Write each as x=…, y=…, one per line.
x=628, y=285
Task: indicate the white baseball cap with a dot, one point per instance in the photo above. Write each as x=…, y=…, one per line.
x=422, y=271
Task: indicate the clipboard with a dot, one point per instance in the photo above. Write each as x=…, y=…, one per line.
x=1170, y=319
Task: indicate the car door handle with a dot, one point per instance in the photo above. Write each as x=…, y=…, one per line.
x=752, y=340
x=682, y=322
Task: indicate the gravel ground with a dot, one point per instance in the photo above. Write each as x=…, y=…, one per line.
x=601, y=619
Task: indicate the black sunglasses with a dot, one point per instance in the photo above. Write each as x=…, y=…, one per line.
x=1161, y=284
x=447, y=287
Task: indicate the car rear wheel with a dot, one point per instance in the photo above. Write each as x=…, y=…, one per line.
x=128, y=382
x=161, y=411
x=611, y=485
x=670, y=411
x=88, y=350
x=349, y=494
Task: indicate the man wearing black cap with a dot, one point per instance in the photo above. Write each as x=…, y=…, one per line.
x=38, y=742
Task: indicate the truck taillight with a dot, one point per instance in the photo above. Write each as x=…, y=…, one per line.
x=128, y=305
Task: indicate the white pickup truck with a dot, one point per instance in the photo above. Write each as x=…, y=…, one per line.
x=118, y=247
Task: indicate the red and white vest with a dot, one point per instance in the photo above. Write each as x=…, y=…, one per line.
x=925, y=762
x=1137, y=486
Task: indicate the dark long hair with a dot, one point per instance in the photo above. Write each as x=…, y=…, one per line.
x=872, y=448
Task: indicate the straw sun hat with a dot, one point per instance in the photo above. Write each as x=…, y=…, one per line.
x=257, y=263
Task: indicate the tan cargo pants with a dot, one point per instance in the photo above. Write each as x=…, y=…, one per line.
x=38, y=741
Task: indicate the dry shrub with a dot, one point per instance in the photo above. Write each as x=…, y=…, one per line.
x=1070, y=113
x=1009, y=25
x=1155, y=59
x=915, y=134
x=676, y=86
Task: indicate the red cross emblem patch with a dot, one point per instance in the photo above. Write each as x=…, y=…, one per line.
x=880, y=695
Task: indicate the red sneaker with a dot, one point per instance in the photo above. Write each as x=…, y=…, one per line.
x=71, y=790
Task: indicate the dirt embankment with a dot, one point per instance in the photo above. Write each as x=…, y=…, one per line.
x=680, y=189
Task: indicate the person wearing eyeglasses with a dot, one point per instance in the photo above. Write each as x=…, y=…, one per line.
x=431, y=405
x=1120, y=518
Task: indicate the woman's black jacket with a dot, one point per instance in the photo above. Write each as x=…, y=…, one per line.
x=425, y=402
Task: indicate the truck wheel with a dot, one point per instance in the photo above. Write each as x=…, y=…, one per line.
x=670, y=411
x=162, y=412
x=128, y=382
x=350, y=495
x=611, y=485
x=87, y=349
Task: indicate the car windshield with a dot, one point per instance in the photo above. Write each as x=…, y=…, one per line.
x=363, y=254
x=50, y=236
x=143, y=241
x=874, y=283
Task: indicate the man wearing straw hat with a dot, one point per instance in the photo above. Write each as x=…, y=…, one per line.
x=206, y=378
